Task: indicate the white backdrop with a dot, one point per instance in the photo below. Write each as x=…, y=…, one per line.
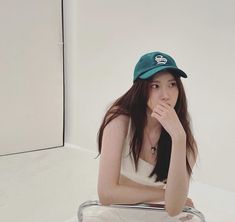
x=108, y=37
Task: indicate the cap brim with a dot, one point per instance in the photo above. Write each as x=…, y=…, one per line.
x=156, y=70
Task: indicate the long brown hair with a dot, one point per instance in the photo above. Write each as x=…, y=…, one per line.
x=134, y=105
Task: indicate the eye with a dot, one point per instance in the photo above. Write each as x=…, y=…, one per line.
x=173, y=84
x=154, y=86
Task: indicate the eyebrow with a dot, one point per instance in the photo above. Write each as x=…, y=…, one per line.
x=170, y=80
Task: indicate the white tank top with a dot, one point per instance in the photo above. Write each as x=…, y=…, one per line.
x=144, y=168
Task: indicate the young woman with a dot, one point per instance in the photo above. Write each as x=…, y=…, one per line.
x=146, y=146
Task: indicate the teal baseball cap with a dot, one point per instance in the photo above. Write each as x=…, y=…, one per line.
x=154, y=62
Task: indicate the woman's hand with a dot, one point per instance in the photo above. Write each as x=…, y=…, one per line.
x=189, y=203
x=168, y=118
x=187, y=217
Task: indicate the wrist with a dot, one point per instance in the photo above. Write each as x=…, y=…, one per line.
x=179, y=137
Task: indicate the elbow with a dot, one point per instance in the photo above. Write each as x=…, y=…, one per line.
x=173, y=211
x=104, y=197
x=103, y=200
x=174, y=205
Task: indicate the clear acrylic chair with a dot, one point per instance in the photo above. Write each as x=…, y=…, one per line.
x=93, y=211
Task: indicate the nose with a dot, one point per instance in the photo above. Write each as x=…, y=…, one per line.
x=164, y=94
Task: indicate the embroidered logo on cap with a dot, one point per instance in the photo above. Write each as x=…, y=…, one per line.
x=160, y=59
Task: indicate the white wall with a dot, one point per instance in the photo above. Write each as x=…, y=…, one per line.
x=107, y=37
x=31, y=75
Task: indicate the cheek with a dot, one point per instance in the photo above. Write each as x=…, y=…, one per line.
x=175, y=96
x=149, y=103
x=175, y=93
x=152, y=100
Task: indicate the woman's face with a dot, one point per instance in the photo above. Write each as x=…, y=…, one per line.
x=163, y=87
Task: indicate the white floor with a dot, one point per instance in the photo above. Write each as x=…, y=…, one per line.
x=49, y=185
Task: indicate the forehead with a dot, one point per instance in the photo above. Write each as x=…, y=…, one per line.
x=163, y=76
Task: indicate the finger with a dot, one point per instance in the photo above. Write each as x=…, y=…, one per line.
x=159, y=109
x=190, y=204
x=165, y=104
x=186, y=218
x=157, y=116
x=190, y=200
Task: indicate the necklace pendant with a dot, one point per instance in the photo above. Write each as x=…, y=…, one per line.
x=153, y=149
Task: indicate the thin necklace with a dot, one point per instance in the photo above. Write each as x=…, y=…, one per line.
x=153, y=148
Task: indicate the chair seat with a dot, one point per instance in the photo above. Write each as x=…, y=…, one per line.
x=93, y=211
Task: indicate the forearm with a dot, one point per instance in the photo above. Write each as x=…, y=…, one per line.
x=126, y=194
x=177, y=181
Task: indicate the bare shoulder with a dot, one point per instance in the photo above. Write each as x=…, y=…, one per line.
x=112, y=145
x=119, y=124
x=118, y=127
